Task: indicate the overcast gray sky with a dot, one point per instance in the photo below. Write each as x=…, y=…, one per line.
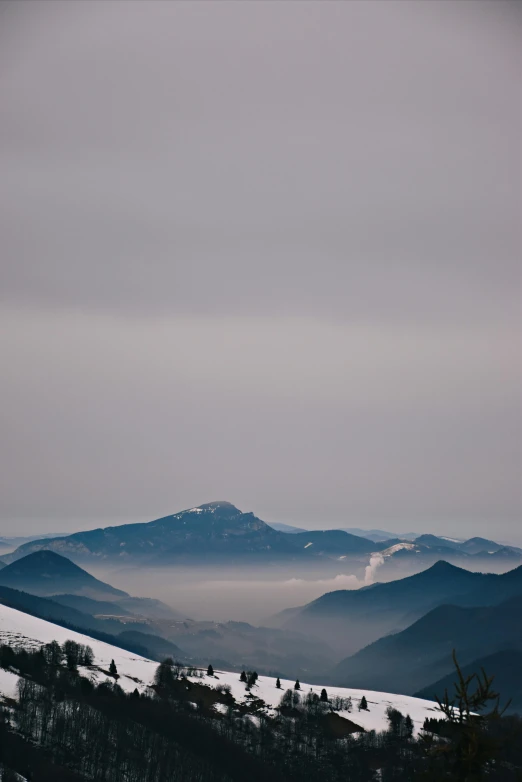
x=263, y=252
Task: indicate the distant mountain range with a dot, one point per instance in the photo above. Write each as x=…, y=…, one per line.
x=220, y=531
x=9, y=543
x=216, y=528
x=377, y=535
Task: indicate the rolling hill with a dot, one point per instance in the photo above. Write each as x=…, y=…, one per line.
x=351, y=619
x=45, y=572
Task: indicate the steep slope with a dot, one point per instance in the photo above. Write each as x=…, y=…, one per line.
x=46, y=608
x=134, y=671
x=351, y=619
x=215, y=529
x=47, y=573
x=505, y=665
x=406, y=661
x=106, y=628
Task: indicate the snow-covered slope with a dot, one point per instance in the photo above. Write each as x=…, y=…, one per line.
x=19, y=629
x=373, y=719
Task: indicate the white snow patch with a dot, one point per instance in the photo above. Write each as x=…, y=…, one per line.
x=397, y=547
x=8, y=684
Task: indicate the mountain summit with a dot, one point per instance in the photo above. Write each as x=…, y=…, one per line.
x=215, y=528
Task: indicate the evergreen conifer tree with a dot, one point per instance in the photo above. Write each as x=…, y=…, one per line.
x=112, y=669
x=243, y=677
x=278, y=683
x=363, y=705
x=324, y=695
x=210, y=671
x=297, y=686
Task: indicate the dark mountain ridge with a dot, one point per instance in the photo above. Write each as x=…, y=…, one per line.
x=46, y=573
x=506, y=666
x=408, y=660
x=351, y=619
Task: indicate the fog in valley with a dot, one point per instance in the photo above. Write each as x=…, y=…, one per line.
x=250, y=594
x=253, y=593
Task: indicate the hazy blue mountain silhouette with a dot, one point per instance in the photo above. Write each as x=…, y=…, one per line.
x=47, y=573
x=408, y=660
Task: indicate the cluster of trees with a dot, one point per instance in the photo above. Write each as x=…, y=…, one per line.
x=169, y=672
x=249, y=678
x=340, y=704
x=66, y=727
x=49, y=656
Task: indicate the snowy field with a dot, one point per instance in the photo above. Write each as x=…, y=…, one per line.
x=373, y=719
x=19, y=629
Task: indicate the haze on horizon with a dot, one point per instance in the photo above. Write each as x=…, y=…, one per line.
x=261, y=252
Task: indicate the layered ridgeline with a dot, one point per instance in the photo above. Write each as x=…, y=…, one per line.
x=48, y=574
x=36, y=583
x=410, y=660
x=350, y=619
x=507, y=668
x=33, y=584
x=220, y=531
